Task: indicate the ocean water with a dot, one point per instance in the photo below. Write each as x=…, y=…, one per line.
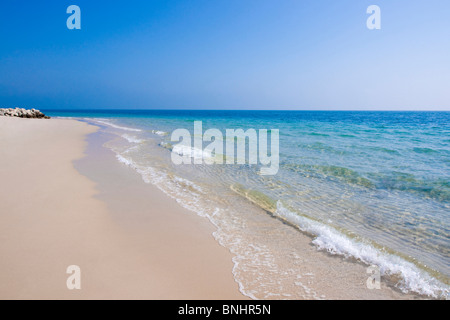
x=370, y=186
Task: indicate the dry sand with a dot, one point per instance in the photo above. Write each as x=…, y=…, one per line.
x=139, y=246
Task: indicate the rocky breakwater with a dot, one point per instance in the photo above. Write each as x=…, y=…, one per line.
x=23, y=113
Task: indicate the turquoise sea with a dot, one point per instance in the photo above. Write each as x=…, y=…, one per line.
x=371, y=186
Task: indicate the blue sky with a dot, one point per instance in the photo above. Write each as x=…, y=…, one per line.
x=226, y=54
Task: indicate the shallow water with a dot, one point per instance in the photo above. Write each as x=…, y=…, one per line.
x=374, y=186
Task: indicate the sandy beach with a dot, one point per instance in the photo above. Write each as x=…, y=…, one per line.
x=135, y=246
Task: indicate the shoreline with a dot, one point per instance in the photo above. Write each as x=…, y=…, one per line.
x=51, y=217
x=180, y=242
x=303, y=271
x=133, y=240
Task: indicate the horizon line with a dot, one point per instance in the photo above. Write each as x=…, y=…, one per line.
x=269, y=110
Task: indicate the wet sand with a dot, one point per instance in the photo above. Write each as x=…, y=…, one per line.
x=129, y=243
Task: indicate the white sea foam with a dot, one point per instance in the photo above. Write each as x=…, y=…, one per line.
x=124, y=160
x=160, y=133
x=189, y=195
x=132, y=139
x=66, y=118
x=134, y=148
x=107, y=123
x=191, y=152
x=334, y=242
x=153, y=176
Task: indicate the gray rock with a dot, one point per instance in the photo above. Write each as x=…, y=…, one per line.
x=23, y=113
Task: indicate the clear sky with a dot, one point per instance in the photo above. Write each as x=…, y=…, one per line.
x=226, y=54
